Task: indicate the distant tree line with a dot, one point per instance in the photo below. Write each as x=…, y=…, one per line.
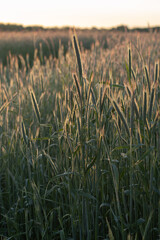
x=124, y=28
x=121, y=28
x=17, y=27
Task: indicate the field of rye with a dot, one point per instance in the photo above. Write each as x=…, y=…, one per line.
x=80, y=142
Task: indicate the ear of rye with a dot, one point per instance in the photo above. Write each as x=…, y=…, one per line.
x=156, y=72
x=77, y=51
x=148, y=80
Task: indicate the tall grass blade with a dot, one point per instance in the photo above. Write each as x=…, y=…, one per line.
x=130, y=66
x=132, y=114
x=148, y=80
x=151, y=105
x=122, y=117
x=35, y=105
x=144, y=106
x=7, y=103
x=24, y=133
x=78, y=87
x=110, y=233
x=147, y=226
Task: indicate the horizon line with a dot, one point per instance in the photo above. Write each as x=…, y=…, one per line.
x=79, y=27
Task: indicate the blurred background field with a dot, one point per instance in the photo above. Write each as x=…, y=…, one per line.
x=19, y=40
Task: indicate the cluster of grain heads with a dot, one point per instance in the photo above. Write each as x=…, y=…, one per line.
x=86, y=130
x=80, y=153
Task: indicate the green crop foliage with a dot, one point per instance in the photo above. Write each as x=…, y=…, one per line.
x=80, y=141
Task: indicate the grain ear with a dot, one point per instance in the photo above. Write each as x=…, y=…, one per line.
x=77, y=51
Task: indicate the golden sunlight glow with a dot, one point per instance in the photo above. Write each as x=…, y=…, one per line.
x=84, y=13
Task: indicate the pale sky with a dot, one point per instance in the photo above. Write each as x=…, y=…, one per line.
x=81, y=13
